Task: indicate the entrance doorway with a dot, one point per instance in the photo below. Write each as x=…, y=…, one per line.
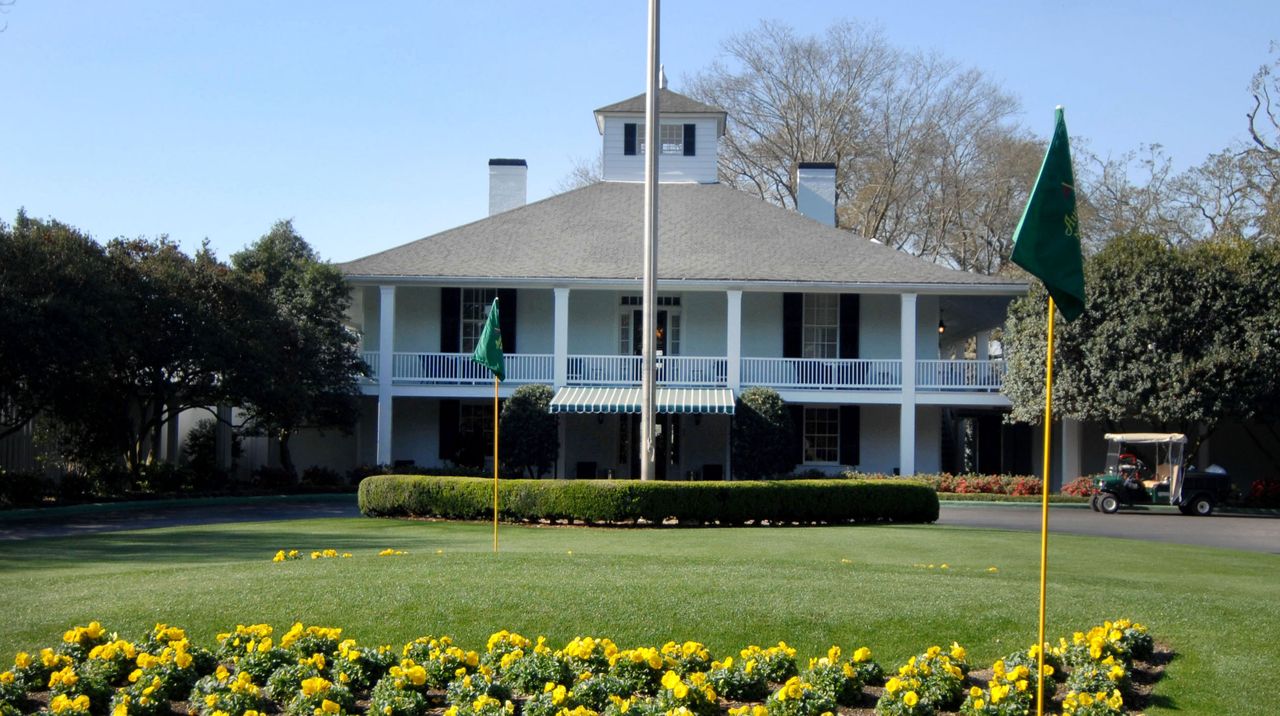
x=666, y=444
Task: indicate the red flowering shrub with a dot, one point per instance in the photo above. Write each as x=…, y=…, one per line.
x=1080, y=487
x=1025, y=486
x=1265, y=493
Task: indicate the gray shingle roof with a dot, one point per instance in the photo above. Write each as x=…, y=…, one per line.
x=706, y=232
x=668, y=101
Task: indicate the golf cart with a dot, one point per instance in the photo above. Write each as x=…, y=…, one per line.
x=1129, y=480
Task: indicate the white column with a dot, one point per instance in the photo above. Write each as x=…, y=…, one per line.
x=733, y=347
x=1070, y=451
x=560, y=340
x=907, y=416
x=983, y=341
x=386, y=346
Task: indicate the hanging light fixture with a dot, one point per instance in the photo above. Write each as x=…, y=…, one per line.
x=942, y=327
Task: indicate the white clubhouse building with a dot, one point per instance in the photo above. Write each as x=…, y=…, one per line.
x=749, y=294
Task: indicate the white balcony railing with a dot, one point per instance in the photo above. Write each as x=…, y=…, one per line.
x=823, y=374
x=965, y=375
x=700, y=371
x=692, y=371
x=460, y=369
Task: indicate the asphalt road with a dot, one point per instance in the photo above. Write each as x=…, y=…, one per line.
x=1248, y=532
x=1253, y=532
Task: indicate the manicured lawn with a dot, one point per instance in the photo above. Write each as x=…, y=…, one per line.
x=812, y=587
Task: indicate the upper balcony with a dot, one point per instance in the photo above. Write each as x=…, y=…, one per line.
x=783, y=374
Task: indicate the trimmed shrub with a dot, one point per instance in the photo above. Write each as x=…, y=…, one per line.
x=22, y=489
x=614, y=501
x=762, y=438
x=529, y=433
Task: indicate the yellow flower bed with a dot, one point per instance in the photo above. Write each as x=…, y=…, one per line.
x=313, y=671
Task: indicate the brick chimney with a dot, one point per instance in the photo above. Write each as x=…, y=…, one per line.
x=508, y=184
x=816, y=191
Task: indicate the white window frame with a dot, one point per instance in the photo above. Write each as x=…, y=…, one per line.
x=820, y=336
x=821, y=426
x=670, y=138
x=627, y=306
x=476, y=303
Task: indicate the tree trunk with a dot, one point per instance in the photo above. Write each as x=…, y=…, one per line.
x=286, y=458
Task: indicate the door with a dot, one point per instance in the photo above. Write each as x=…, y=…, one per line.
x=666, y=445
x=637, y=332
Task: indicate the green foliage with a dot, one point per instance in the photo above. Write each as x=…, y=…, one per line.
x=306, y=357
x=529, y=433
x=1172, y=337
x=762, y=437
x=793, y=501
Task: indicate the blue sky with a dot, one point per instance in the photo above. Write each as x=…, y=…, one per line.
x=371, y=124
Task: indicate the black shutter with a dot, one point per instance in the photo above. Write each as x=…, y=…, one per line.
x=848, y=325
x=690, y=135
x=792, y=325
x=629, y=138
x=849, y=434
x=450, y=320
x=797, y=431
x=449, y=416
x=507, y=318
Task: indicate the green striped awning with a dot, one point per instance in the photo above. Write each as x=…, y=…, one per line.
x=584, y=399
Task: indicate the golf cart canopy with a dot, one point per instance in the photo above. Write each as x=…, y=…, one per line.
x=1147, y=438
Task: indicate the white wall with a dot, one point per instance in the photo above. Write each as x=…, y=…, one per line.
x=928, y=438
x=590, y=439
x=417, y=431
x=417, y=319
x=878, y=450
x=671, y=167
x=703, y=323
x=762, y=325
x=593, y=322
x=535, y=321
x=880, y=327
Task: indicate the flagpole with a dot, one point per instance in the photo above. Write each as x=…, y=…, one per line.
x=648, y=348
x=1044, y=505
x=495, y=464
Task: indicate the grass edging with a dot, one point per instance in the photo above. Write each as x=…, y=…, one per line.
x=638, y=502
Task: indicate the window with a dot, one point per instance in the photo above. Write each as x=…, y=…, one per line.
x=822, y=435
x=667, y=324
x=821, y=332
x=671, y=138
x=475, y=428
x=476, y=303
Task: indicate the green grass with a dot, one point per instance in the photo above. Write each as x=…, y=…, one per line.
x=725, y=587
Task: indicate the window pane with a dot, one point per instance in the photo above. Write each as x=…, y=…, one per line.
x=822, y=435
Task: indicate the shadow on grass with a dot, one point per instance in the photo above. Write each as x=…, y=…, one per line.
x=198, y=545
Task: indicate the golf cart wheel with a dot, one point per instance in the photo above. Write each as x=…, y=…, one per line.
x=1202, y=505
x=1108, y=503
x=1093, y=501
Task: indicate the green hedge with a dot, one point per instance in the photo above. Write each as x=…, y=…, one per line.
x=626, y=501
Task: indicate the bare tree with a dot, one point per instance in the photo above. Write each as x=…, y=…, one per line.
x=927, y=156
x=584, y=172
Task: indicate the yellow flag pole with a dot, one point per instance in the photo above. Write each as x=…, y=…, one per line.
x=1044, y=505
x=495, y=464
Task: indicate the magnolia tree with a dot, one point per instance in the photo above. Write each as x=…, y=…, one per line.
x=1179, y=339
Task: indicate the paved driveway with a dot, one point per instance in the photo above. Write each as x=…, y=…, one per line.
x=1251, y=532
x=1254, y=533
x=31, y=524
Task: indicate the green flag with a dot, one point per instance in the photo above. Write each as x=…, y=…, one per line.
x=489, y=348
x=1047, y=241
